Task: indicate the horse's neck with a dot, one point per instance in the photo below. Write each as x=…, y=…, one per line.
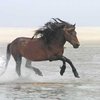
x=57, y=43
x=60, y=40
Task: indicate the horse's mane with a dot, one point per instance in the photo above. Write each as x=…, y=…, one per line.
x=49, y=31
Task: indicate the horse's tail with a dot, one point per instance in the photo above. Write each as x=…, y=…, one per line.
x=8, y=55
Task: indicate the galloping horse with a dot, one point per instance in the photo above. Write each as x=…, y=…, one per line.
x=49, y=46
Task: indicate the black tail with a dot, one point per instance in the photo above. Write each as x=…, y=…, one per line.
x=8, y=55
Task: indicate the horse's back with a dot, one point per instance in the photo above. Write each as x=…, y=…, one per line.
x=33, y=49
x=20, y=39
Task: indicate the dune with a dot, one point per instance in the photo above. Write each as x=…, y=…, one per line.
x=84, y=33
x=9, y=34
x=88, y=33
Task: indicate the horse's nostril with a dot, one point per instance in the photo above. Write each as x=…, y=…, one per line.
x=76, y=45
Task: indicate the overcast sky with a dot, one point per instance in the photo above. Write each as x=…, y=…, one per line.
x=30, y=13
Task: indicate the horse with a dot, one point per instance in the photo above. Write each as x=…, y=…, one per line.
x=46, y=44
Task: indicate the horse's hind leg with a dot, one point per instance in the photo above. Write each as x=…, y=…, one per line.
x=28, y=65
x=18, y=60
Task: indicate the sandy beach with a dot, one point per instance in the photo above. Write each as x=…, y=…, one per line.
x=10, y=33
x=88, y=33
x=84, y=33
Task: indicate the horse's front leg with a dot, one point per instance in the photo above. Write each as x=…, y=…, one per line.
x=63, y=60
x=72, y=66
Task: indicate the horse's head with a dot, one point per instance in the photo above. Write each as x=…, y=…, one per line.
x=71, y=36
x=69, y=33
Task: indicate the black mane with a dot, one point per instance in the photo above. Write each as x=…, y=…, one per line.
x=49, y=31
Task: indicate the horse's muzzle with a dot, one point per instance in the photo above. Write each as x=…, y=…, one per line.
x=76, y=45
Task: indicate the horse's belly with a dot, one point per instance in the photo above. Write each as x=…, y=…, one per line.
x=36, y=55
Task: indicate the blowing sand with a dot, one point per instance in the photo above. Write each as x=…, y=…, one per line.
x=84, y=33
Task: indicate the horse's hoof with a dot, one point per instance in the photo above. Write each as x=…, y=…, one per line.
x=62, y=72
x=40, y=74
x=77, y=76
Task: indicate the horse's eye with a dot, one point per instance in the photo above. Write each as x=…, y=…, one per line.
x=72, y=33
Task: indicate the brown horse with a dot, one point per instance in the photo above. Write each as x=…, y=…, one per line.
x=49, y=46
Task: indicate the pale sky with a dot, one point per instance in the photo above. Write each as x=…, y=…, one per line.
x=30, y=13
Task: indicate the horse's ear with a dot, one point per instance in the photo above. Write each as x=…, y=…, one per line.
x=74, y=25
